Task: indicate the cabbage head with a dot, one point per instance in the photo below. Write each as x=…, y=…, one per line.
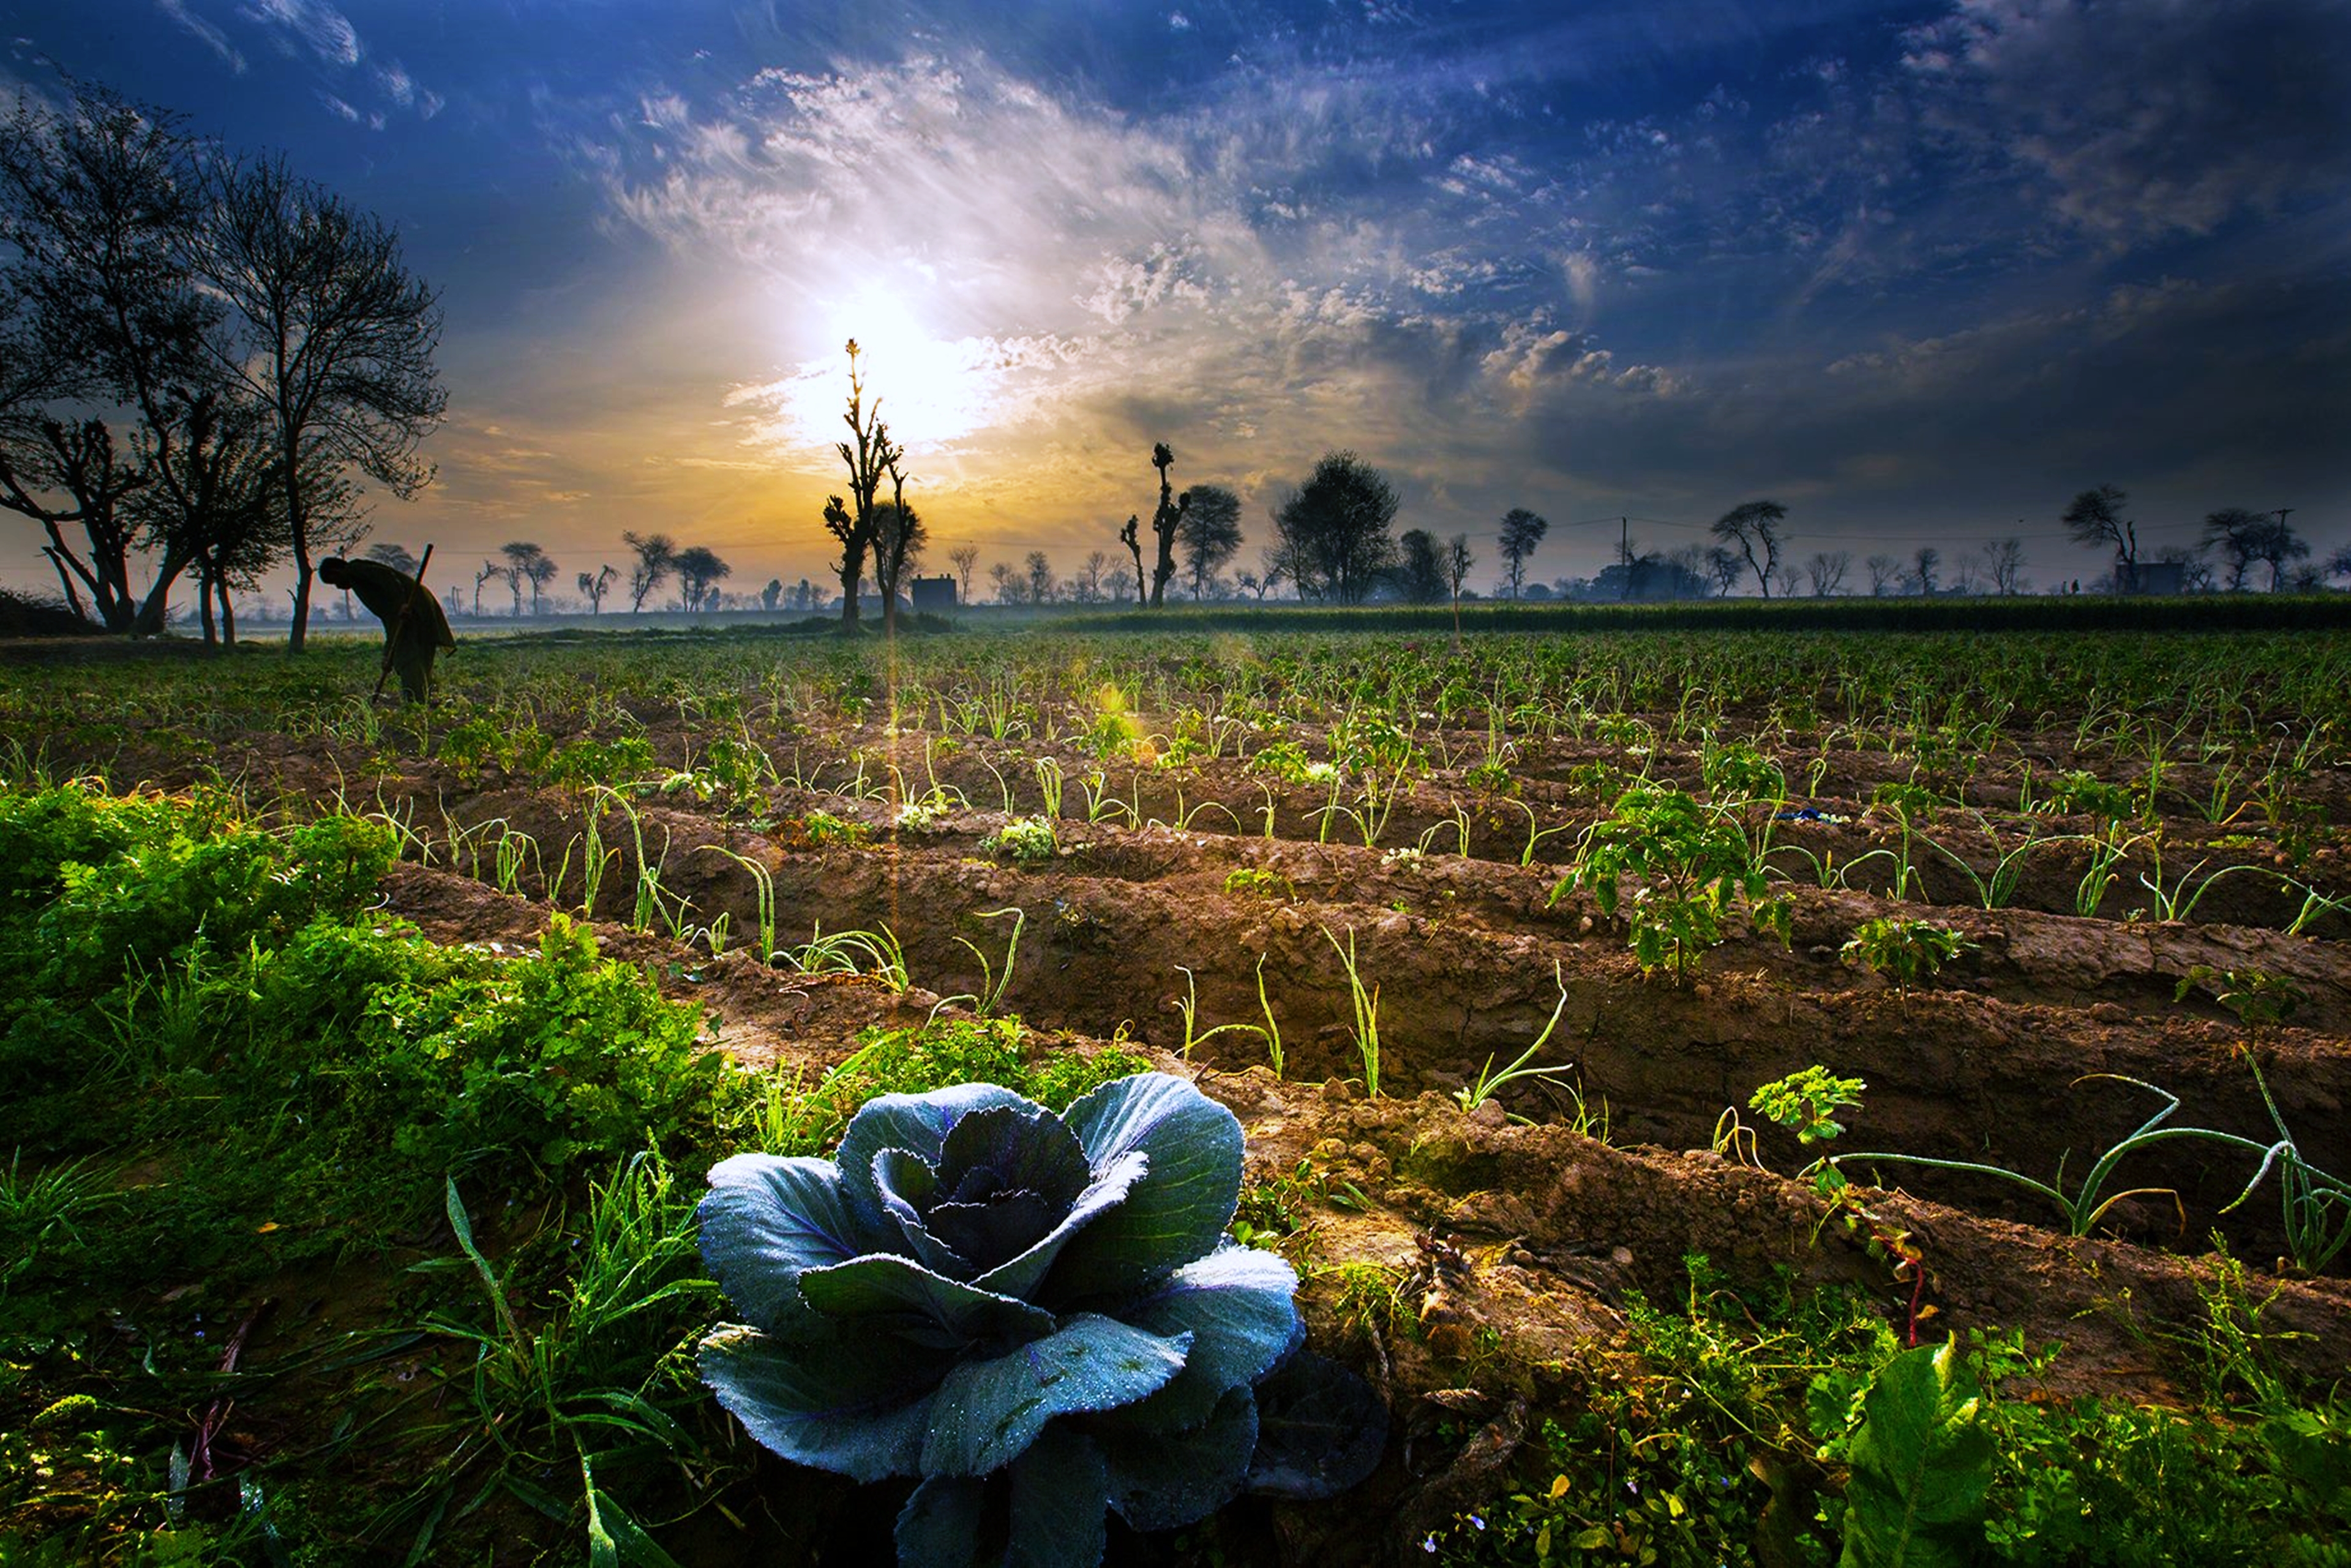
x=1037, y=1316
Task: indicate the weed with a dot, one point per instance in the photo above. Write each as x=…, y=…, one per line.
x=1904, y=951
x=1030, y=841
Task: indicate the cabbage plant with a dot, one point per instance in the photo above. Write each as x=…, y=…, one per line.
x=1039, y=1317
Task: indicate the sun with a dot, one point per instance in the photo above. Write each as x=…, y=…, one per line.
x=933, y=390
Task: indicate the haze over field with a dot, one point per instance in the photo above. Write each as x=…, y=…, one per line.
x=1920, y=271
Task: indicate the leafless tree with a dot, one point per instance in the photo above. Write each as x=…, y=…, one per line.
x=1010, y=587
x=1130, y=534
x=2005, y=559
x=593, y=588
x=1118, y=582
x=1826, y=572
x=333, y=338
x=1164, y=523
x=1086, y=585
x=1885, y=574
x=1725, y=567
x=965, y=560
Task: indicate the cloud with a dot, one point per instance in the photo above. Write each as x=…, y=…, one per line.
x=2143, y=118
x=213, y=38
x=321, y=28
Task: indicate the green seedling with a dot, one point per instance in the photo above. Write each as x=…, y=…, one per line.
x=1488, y=1080
x=1906, y=952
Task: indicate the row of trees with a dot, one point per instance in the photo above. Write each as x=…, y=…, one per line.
x=200, y=356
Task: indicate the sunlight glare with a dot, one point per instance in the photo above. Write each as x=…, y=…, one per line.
x=933, y=390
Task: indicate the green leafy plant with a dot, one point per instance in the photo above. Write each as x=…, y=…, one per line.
x=1694, y=865
x=1806, y=1102
x=1030, y=841
x=1920, y=1464
x=1904, y=951
x=2258, y=997
x=1036, y=1316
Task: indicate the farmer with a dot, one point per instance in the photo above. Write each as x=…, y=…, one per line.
x=415, y=630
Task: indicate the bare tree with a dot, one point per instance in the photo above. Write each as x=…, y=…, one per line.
x=1010, y=587
x=656, y=558
x=1786, y=578
x=1826, y=572
x=2195, y=571
x=1754, y=526
x=1117, y=583
x=1521, y=532
x=1885, y=573
x=1041, y=585
x=490, y=569
x=1130, y=534
x=335, y=338
x=1457, y=560
x=1725, y=567
x=1209, y=527
x=2005, y=560
x=1164, y=523
x=965, y=560
x=2095, y=518
x=1086, y=585
x=593, y=588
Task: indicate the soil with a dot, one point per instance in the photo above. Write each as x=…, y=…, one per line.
x=1516, y=1238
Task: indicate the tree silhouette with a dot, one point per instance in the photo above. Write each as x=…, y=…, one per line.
x=899, y=536
x=656, y=558
x=527, y=562
x=1040, y=577
x=965, y=557
x=2095, y=518
x=593, y=588
x=2005, y=559
x=1209, y=527
x=2277, y=544
x=2234, y=531
x=868, y=454
x=1521, y=532
x=1130, y=534
x=100, y=203
x=1924, y=565
x=1754, y=526
x=699, y=572
x=1826, y=570
x=335, y=342
x=1164, y=523
x=1335, y=529
x=1885, y=572
x=1419, y=571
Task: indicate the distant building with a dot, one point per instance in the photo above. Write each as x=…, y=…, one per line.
x=933, y=594
x=2154, y=577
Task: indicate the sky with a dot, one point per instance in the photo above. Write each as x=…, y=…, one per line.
x=1919, y=272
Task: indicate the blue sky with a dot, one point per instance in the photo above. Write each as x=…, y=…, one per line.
x=1919, y=271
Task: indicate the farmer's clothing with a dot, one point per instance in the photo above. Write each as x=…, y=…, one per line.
x=415, y=629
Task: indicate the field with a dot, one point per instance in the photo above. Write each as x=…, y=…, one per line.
x=351, y=1190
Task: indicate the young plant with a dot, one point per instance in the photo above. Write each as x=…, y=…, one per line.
x=1695, y=866
x=1036, y=1317
x=1904, y=951
x=1806, y=1102
x=1366, y=1006
x=1028, y=840
x=1488, y=1080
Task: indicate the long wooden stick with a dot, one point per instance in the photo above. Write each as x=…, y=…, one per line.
x=392, y=638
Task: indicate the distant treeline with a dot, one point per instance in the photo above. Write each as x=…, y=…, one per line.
x=2070, y=613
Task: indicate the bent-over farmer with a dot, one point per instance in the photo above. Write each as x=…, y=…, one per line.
x=415, y=629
